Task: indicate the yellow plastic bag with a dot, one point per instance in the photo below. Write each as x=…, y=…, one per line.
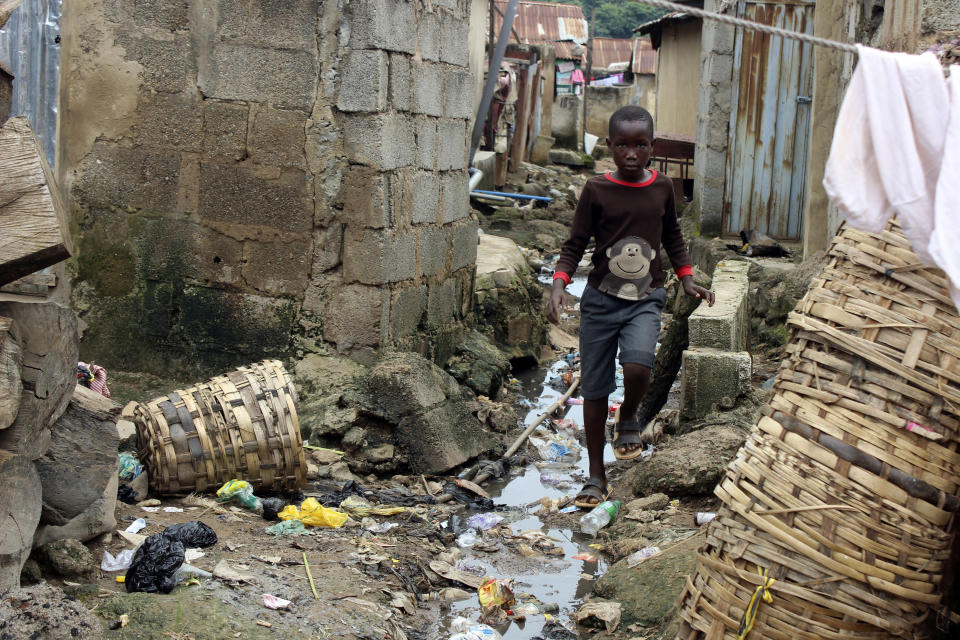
x=357, y=506
x=314, y=514
x=496, y=592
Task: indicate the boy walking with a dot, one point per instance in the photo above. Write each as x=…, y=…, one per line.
x=630, y=213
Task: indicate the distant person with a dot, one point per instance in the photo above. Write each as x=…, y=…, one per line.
x=630, y=213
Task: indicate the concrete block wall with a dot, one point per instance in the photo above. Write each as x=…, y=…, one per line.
x=244, y=172
x=713, y=118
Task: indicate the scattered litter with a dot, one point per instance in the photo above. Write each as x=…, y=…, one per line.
x=586, y=557
x=151, y=509
x=361, y=507
x=570, y=509
x=313, y=514
x=172, y=510
x=271, y=507
x=132, y=538
x=639, y=556
x=472, y=487
x=599, y=611
x=402, y=601
x=192, y=534
x=467, y=630
x=129, y=467
x=381, y=527
x=190, y=573
x=264, y=623
x=646, y=453
x=496, y=593
x=154, y=564
x=468, y=539
x=288, y=528
x=448, y=571
x=273, y=602
x=451, y=594
x=119, y=563
x=574, y=401
x=599, y=517
x=239, y=491
x=152, y=502
x=137, y=525
x=126, y=494
x=190, y=555
x=225, y=572
x=703, y=517
x=484, y=521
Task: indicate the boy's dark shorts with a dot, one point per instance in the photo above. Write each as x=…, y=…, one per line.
x=605, y=323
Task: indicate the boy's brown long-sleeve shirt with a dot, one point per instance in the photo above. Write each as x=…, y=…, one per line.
x=610, y=210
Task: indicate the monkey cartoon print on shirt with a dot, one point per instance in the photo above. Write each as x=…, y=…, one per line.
x=629, y=265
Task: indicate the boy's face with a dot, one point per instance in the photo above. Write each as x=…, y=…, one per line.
x=631, y=143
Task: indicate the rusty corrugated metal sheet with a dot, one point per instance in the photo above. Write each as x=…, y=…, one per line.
x=644, y=57
x=607, y=51
x=769, y=126
x=569, y=50
x=545, y=22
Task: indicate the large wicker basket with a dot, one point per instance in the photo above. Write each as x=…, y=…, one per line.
x=845, y=491
x=242, y=425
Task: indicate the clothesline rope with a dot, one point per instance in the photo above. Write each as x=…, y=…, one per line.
x=749, y=24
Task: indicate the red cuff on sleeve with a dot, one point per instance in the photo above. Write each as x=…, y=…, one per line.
x=685, y=270
x=560, y=275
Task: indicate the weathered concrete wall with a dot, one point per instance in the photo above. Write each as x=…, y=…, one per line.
x=602, y=102
x=244, y=172
x=645, y=92
x=713, y=119
x=565, y=120
x=678, y=71
x=548, y=82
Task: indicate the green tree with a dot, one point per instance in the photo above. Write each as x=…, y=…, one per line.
x=617, y=18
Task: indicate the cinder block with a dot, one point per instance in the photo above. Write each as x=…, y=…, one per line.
x=384, y=141
x=465, y=239
x=277, y=137
x=283, y=77
x=354, y=315
x=173, y=248
x=725, y=325
x=288, y=24
x=162, y=14
x=399, y=89
x=456, y=196
x=458, y=94
x=428, y=88
x=364, y=81
x=454, y=39
x=441, y=303
x=267, y=265
x=363, y=198
x=428, y=37
x=225, y=129
x=433, y=250
x=327, y=243
x=941, y=16
x=426, y=142
x=137, y=178
x=165, y=64
x=382, y=24
x=711, y=379
x=240, y=195
x=168, y=121
x=426, y=197
x=406, y=310
x=378, y=257
x=452, y=144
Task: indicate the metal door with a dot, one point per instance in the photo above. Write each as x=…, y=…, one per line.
x=769, y=122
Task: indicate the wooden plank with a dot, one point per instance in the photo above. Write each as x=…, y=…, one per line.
x=33, y=217
x=35, y=284
x=11, y=359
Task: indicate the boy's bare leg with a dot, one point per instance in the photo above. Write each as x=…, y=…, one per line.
x=636, y=380
x=594, y=423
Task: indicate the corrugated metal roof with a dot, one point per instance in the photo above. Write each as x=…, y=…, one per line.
x=607, y=51
x=644, y=57
x=569, y=50
x=545, y=22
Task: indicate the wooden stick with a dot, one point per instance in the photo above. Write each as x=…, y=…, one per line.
x=313, y=587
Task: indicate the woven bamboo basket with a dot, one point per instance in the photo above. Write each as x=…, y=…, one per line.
x=846, y=489
x=242, y=424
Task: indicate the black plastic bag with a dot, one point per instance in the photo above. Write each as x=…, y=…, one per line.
x=126, y=494
x=154, y=564
x=271, y=507
x=192, y=534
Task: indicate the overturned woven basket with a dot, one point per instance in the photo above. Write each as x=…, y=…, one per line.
x=242, y=425
x=845, y=491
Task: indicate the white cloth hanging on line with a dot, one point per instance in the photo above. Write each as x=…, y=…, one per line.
x=890, y=155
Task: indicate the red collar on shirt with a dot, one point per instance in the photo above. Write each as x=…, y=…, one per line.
x=645, y=183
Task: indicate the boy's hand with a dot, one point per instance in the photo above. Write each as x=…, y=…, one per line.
x=556, y=302
x=695, y=291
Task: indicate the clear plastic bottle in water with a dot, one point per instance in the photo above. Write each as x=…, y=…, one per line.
x=599, y=517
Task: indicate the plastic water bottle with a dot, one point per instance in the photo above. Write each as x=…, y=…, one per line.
x=599, y=517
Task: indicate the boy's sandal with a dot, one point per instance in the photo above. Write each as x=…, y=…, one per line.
x=592, y=489
x=625, y=434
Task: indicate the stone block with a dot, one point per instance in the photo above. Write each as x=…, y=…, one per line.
x=283, y=77
x=406, y=310
x=382, y=24
x=725, y=325
x=129, y=178
x=541, y=150
x=427, y=88
x=452, y=144
x=426, y=143
x=456, y=196
x=941, y=16
x=353, y=316
x=327, y=243
x=364, y=81
x=363, y=198
x=454, y=40
x=277, y=137
x=165, y=63
x=428, y=37
x=442, y=438
x=168, y=121
x=399, y=82
x=465, y=242
x=385, y=141
x=567, y=157
x=249, y=324
x=378, y=257
x=711, y=379
x=241, y=195
x=173, y=249
x=426, y=197
x=277, y=267
x=281, y=24
x=224, y=130
x=458, y=94
x=441, y=303
x=433, y=250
